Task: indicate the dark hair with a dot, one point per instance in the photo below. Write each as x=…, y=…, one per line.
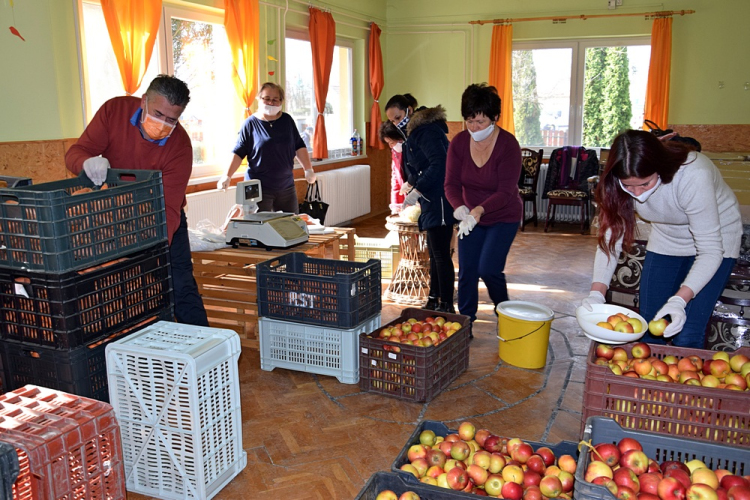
x=480, y=98
x=174, y=89
x=402, y=102
x=389, y=131
x=634, y=153
x=271, y=85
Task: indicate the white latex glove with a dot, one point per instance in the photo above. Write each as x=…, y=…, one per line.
x=310, y=176
x=675, y=308
x=223, y=183
x=594, y=297
x=395, y=208
x=412, y=198
x=96, y=169
x=461, y=213
x=466, y=225
x=405, y=188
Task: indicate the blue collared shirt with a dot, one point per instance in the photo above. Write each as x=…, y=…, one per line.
x=135, y=121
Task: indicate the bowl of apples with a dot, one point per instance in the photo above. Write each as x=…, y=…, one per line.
x=611, y=324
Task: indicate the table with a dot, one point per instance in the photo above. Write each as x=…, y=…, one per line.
x=227, y=284
x=410, y=283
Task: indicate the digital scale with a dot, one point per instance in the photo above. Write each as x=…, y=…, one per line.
x=263, y=229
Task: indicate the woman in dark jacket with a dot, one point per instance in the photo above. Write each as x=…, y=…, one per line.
x=425, y=153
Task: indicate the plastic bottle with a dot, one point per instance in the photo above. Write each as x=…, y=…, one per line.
x=356, y=143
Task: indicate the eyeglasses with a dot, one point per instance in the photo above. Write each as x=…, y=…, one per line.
x=269, y=100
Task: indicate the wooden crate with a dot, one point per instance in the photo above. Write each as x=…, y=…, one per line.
x=227, y=284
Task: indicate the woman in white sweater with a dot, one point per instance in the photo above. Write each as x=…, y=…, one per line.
x=696, y=230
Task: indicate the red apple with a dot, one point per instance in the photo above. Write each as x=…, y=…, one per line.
x=720, y=368
x=625, y=493
x=477, y=474
x=421, y=465
x=605, y=351
x=620, y=354
x=457, y=478
x=640, y=350
x=607, y=483
x=727, y=481
x=416, y=451
x=649, y=482
x=673, y=464
x=670, y=489
x=547, y=454
x=481, y=435
x=493, y=443
x=410, y=469
x=531, y=493
x=531, y=478
x=679, y=474
x=626, y=477
x=567, y=480
x=635, y=460
x=522, y=453
x=722, y=494
x=445, y=447
x=567, y=463
x=536, y=463
x=434, y=471
x=707, y=367
x=595, y=469
x=460, y=450
x=738, y=493
x=737, y=362
x=607, y=453
x=511, y=491
x=550, y=486
x=647, y=496
x=628, y=443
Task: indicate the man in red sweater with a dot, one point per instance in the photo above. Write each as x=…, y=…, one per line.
x=145, y=134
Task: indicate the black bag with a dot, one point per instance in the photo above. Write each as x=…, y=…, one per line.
x=314, y=206
x=658, y=132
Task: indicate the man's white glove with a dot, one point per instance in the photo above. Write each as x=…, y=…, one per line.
x=594, y=298
x=461, y=213
x=405, y=188
x=96, y=169
x=310, y=176
x=412, y=198
x=466, y=225
x=675, y=308
x=223, y=183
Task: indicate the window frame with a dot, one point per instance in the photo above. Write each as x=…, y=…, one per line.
x=578, y=66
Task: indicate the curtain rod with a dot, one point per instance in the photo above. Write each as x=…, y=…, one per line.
x=584, y=17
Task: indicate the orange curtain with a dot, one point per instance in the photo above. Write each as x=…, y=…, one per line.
x=132, y=27
x=243, y=32
x=322, y=40
x=657, y=87
x=376, y=85
x=501, y=72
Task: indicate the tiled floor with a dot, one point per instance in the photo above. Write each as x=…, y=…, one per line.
x=311, y=437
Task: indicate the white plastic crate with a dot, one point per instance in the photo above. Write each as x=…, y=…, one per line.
x=378, y=248
x=313, y=349
x=176, y=394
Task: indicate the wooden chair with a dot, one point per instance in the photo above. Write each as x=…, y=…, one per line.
x=567, y=182
x=531, y=164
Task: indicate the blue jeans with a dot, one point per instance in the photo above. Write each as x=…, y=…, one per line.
x=188, y=305
x=482, y=254
x=662, y=277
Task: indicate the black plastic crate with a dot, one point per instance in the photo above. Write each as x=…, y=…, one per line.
x=325, y=292
x=81, y=371
x=8, y=470
x=14, y=182
x=414, y=373
x=71, y=309
x=381, y=481
x=440, y=429
x=45, y=227
x=658, y=447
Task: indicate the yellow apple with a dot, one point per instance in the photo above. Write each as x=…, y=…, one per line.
x=605, y=325
x=657, y=326
x=637, y=325
x=624, y=327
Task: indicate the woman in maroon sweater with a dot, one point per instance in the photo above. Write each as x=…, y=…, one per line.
x=482, y=172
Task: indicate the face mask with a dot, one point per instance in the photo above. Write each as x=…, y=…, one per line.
x=269, y=110
x=154, y=127
x=404, y=120
x=398, y=147
x=481, y=135
x=644, y=195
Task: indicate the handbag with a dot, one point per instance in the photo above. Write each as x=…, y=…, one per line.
x=314, y=206
x=658, y=132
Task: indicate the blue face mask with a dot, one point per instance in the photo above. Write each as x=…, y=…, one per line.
x=402, y=124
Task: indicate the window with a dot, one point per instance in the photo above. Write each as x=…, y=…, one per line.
x=192, y=45
x=567, y=93
x=300, y=93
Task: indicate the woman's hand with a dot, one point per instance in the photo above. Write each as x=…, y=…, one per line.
x=405, y=188
x=477, y=213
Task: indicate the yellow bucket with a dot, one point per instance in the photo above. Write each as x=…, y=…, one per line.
x=523, y=330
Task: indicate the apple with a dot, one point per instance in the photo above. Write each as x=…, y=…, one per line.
x=606, y=351
x=497, y=462
x=673, y=464
x=636, y=324
x=704, y=475
x=745, y=369
x=687, y=375
x=679, y=474
x=720, y=368
x=624, y=327
x=481, y=435
x=536, y=463
x=453, y=437
x=620, y=354
x=649, y=482
x=635, y=460
x=688, y=364
x=567, y=463
x=720, y=473
x=736, y=379
x=595, y=469
x=606, y=452
x=547, y=454
x=493, y=443
x=451, y=463
x=642, y=366
x=386, y=495
x=531, y=493
x=416, y=451
x=723, y=355
x=625, y=493
x=531, y=478
x=607, y=483
x=482, y=458
x=656, y=326
x=628, y=443
x=457, y=478
x=550, y=486
x=727, y=481
x=427, y=437
x=647, y=496
x=477, y=474
x=434, y=471
x=421, y=465
x=626, y=477
x=445, y=447
x=660, y=366
x=442, y=480
x=552, y=470
x=428, y=480
x=567, y=480
x=522, y=453
x=710, y=381
x=511, y=491
x=410, y=469
x=699, y=491
x=614, y=319
x=512, y=473
x=640, y=350
x=460, y=450
x=512, y=444
x=605, y=325
x=494, y=484
x=670, y=488
x=739, y=493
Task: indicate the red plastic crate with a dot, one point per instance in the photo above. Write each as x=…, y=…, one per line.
x=415, y=373
x=68, y=446
x=696, y=412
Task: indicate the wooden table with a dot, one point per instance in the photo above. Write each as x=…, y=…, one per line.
x=226, y=279
x=410, y=283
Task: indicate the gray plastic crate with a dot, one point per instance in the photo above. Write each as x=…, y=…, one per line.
x=8, y=470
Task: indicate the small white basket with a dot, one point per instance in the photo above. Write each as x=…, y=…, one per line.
x=313, y=349
x=176, y=394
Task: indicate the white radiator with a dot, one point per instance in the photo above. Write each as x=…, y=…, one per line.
x=213, y=205
x=347, y=192
x=564, y=213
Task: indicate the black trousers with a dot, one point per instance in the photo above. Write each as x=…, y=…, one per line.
x=442, y=272
x=188, y=305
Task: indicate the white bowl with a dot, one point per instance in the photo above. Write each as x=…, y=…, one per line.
x=587, y=320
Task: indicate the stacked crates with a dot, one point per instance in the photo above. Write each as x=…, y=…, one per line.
x=175, y=391
x=66, y=446
x=80, y=266
x=312, y=312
